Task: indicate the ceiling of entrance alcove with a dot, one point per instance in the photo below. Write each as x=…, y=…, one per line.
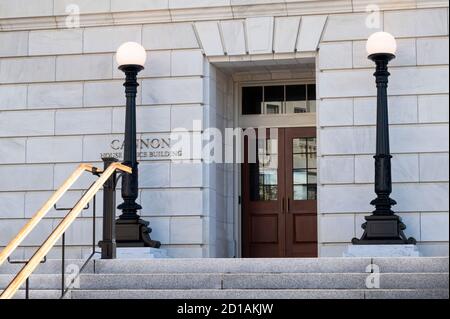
x=305, y=66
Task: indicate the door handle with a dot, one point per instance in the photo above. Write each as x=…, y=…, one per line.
x=289, y=205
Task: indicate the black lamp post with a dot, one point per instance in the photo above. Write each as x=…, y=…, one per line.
x=131, y=230
x=383, y=227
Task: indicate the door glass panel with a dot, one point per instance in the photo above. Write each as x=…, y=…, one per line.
x=312, y=145
x=300, y=145
x=300, y=192
x=300, y=161
x=304, y=169
x=271, y=145
x=300, y=176
x=264, y=173
x=268, y=161
x=312, y=160
x=268, y=177
x=312, y=176
x=312, y=192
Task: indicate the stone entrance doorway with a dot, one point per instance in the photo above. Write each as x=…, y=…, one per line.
x=279, y=194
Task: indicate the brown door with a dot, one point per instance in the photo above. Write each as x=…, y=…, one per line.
x=301, y=192
x=279, y=195
x=263, y=191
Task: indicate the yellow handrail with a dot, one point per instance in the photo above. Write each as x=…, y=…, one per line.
x=31, y=265
x=34, y=221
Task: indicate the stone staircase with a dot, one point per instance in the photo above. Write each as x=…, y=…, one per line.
x=324, y=278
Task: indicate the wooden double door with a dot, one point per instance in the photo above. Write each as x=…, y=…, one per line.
x=279, y=194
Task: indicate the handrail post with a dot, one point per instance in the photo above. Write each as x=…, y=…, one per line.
x=108, y=244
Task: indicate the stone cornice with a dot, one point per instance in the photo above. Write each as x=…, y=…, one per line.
x=234, y=10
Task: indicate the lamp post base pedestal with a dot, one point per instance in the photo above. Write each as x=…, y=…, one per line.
x=382, y=251
x=384, y=230
x=134, y=233
x=141, y=253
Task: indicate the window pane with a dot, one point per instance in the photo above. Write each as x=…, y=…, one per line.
x=273, y=107
x=268, y=161
x=279, y=99
x=312, y=192
x=274, y=93
x=269, y=177
x=268, y=193
x=312, y=106
x=311, y=92
x=272, y=146
x=297, y=107
x=312, y=176
x=312, y=145
x=296, y=93
x=300, y=176
x=264, y=173
x=300, y=161
x=312, y=160
x=300, y=192
x=252, y=98
x=300, y=145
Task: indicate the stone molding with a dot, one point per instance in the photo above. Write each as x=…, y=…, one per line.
x=237, y=9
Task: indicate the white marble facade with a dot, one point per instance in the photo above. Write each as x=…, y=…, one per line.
x=61, y=103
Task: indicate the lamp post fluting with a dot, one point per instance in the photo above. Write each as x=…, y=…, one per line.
x=131, y=230
x=383, y=227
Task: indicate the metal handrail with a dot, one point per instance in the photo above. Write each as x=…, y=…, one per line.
x=65, y=289
x=32, y=264
x=41, y=213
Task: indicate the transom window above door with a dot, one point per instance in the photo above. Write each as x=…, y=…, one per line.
x=278, y=99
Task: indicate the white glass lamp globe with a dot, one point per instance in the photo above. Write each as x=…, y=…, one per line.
x=131, y=53
x=381, y=43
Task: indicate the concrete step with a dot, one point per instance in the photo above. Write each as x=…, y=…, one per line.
x=37, y=282
x=293, y=265
x=407, y=294
x=260, y=281
x=219, y=265
x=241, y=278
x=413, y=265
x=335, y=281
x=42, y=294
x=237, y=281
x=51, y=266
x=260, y=294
